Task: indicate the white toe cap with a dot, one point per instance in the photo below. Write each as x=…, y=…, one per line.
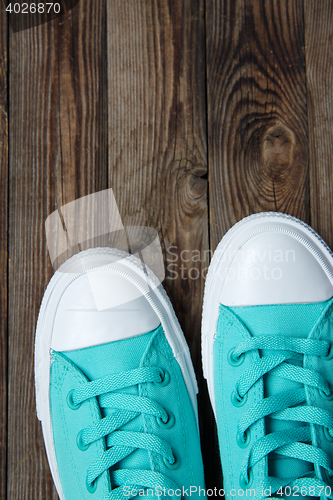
x=99, y=307
x=274, y=259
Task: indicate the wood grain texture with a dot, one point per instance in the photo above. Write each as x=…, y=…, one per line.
x=157, y=137
x=3, y=247
x=58, y=152
x=157, y=151
x=318, y=20
x=257, y=119
x=157, y=141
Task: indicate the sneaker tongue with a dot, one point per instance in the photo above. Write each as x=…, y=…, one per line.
x=288, y=320
x=116, y=357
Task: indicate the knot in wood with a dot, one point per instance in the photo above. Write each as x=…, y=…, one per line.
x=278, y=149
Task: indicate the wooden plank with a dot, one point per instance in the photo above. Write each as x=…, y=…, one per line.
x=3, y=247
x=157, y=141
x=157, y=150
x=257, y=116
x=58, y=152
x=318, y=20
x=157, y=146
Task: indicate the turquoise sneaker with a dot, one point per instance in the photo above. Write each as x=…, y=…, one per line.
x=115, y=386
x=267, y=335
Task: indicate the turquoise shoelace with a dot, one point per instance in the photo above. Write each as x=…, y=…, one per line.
x=121, y=443
x=287, y=406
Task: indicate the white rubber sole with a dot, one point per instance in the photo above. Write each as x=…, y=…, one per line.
x=230, y=244
x=129, y=267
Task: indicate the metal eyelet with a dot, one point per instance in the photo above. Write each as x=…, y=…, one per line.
x=79, y=442
x=91, y=487
x=328, y=396
x=238, y=400
x=165, y=378
x=169, y=423
x=244, y=482
x=329, y=355
x=240, y=439
x=175, y=464
x=327, y=434
x=232, y=360
x=70, y=401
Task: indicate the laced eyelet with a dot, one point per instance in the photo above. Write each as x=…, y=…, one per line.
x=79, y=442
x=165, y=378
x=328, y=479
x=91, y=487
x=232, y=360
x=176, y=463
x=169, y=423
x=70, y=401
x=237, y=399
x=246, y=483
x=327, y=434
x=328, y=396
x=329, y=355
x=240, y=439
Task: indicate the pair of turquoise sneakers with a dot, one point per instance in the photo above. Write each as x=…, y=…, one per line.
x=116, y=390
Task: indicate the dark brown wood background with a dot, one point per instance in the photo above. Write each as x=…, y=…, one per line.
x=196, y=113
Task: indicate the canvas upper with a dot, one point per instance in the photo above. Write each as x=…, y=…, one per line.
x=243, y=431
x=115, y=387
